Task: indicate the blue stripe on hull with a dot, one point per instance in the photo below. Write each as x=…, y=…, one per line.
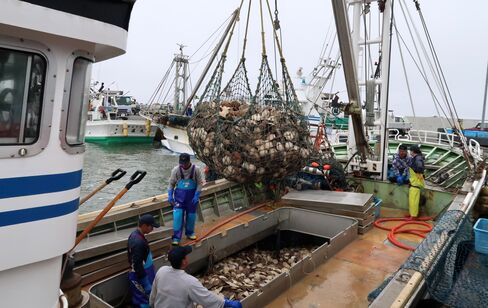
x=39, y=184
x=38, y=213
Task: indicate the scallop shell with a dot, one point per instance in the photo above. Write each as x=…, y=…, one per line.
x=226, y=160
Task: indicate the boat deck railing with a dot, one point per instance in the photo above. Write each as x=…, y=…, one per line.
x=420, y=136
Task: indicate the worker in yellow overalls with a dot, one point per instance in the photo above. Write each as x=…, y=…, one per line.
x=417, y=182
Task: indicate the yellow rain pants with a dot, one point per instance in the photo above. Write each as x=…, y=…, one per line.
x=417, y=183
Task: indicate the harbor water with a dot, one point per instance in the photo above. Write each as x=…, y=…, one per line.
x=102, y=160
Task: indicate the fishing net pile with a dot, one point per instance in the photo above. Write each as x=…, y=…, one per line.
x=458, y=275
x=250, y=137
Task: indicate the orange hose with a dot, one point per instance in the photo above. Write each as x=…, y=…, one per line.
x=226, y=221
x=398, y=229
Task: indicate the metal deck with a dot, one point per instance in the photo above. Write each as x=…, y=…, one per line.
x=338, y=230
x=349, y=276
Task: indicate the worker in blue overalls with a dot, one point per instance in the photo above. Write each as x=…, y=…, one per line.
x=184, y=189
x=141, y=274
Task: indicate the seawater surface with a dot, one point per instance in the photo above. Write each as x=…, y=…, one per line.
x=102, y=160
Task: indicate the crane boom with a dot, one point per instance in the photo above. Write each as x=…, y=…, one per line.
x=351, y=77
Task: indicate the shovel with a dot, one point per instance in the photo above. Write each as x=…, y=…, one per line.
x=116, y=175
x=134, y=179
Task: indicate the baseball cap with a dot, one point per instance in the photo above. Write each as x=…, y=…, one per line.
x=148, y=219
x=177, y=254
x=184, y=158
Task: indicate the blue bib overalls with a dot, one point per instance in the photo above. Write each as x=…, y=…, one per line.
x=184, y=209
x=139, y=298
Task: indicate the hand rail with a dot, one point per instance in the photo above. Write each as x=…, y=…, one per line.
x=421, y=136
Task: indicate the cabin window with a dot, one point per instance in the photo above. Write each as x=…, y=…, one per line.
x=78, y=102
x=22, y=79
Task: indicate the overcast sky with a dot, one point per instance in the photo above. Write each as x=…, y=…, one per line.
x=459, y=30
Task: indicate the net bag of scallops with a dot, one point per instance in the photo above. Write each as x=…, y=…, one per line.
x=250, y=137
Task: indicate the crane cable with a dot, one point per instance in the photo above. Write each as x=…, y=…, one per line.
x=405, y=73
x=447, y=91
x=418, y=55
x=436, y=100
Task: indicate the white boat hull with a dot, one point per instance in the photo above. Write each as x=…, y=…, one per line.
x=119, y=131
x=176, y=140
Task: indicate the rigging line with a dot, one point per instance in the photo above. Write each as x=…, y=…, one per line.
x=209, y=50
x=160, y=91
x=190, y=85
x=438, y=62
x=211, y=35
x=332, y=46
x=335, y=71
x=169, y=90
x=457, y=123
x=418, y=53
x=244, y=44
x=331, y=73
x=274, y=43
x=435, y=99
x=275, y=62
x=325, y=43
x=424, y=77
x=405, y=73
x=208, y=53
x=263, y=46
x=426, y=55
x=161, y=84
x=427, y=58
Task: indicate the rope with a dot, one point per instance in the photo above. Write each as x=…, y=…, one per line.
x=418, y=54
x=405, y=73
x=211, y=35
x=161, y=83
x=325, y=44
x=448, y=95
x=423, y=76
x=263, y=45
x=244, y=45
x=289, y=90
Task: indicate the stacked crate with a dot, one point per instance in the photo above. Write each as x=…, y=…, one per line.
x=360, y=206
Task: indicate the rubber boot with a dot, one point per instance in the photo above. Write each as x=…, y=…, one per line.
x=191, y=219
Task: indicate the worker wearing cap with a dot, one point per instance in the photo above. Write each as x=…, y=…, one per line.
x=417, y=183
x=184, y=189
x=173, y=287
x=141, y=274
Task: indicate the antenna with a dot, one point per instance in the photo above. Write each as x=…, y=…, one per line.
x=181, y=46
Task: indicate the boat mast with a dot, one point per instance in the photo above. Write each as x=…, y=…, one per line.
x=181, y=72
x=384, y=83
x=374, y=87
x=482, y=125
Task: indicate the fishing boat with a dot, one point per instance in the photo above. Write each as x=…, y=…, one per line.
x=111, y=120
x=347, y=269
x=47, y=49
x=169, y=112
x=348, y=258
